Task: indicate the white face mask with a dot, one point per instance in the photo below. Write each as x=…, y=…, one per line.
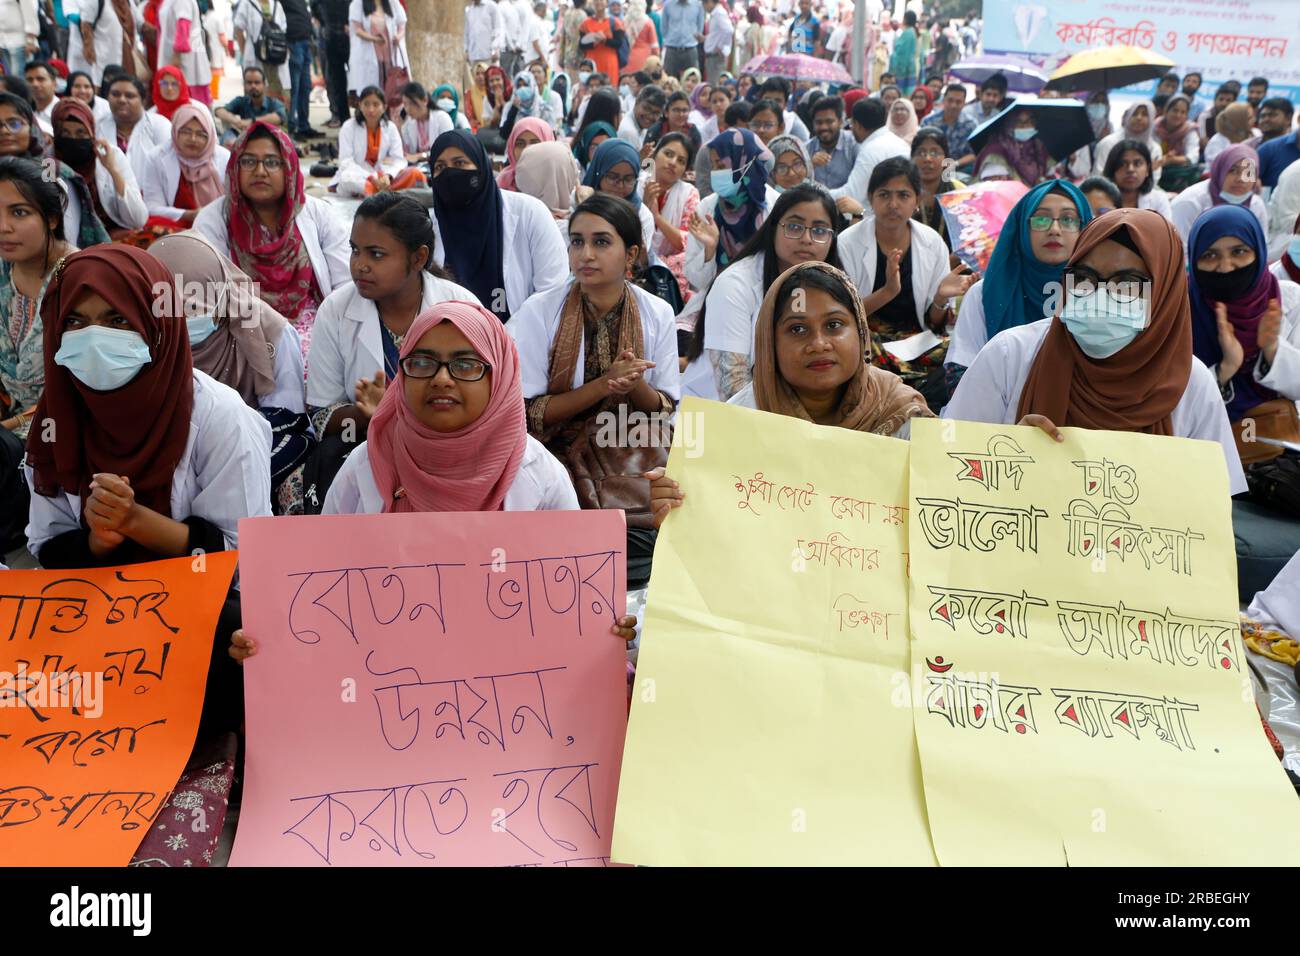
x=446, y=105
x=1235, y=200
x=102, y=358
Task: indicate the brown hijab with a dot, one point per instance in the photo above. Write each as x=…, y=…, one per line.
x=241, y=352
x=874, y=400
x=138, y=430
x=1136, y=389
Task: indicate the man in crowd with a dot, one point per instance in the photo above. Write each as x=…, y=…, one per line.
x=717, y=40
x=297, y=32
x=1256, y=90
x=333, y=18
x=805, y=31
x=683, y=30
x=644, y=116
x=135, y=132
x=43, y=82
x=875, y=144
x=955, y=123
x=778, y=88
x=833, y=149
x=1274, y=119
x=1224, y=97
x=993, y=92
x=484, y=31
x=254, y=104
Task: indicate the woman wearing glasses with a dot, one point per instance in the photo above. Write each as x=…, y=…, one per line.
x=290, y=244
x=1024, y=271
x=450, y=435
x=615, y=170
x=20, y=137
x=1117, y=353
x=929, y=153
x=188, y=172
x=791, y=164
x=501, y=245
x=901, y=268
x=801, y=228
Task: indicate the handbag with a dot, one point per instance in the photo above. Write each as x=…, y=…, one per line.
x=1276, y=484
x=1275, y=419
x=272, y=46
x=608, y=475
x=395, y=80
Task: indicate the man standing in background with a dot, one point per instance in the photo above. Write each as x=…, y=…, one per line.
x=298, y=33
x=20, y=31
x=484, y=32
x=717, y=40
x=683, y=23
x=514, y=34
x=332, y=15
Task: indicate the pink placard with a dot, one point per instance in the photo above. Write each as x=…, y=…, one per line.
x=432, y=689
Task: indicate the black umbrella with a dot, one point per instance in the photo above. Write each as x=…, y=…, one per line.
x=1062, y=124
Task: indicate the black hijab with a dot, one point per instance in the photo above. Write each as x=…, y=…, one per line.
x=471, y=224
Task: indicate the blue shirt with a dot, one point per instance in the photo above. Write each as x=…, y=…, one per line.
x=681, y=21
x=957, y=134
x=835, y=173
x=803, y=34
x=1276, y=155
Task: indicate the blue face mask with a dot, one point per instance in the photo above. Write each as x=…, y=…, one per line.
x=200, y=327
x=1101, y=325
x=102, y=358
x=1024, y=135
x=1293, y=249
x=1235, y=200
x=724, y=185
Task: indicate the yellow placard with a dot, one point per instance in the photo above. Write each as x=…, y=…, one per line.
x=771, y=719
x=1081, y=692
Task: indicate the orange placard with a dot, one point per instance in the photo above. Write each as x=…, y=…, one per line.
x=101, y=685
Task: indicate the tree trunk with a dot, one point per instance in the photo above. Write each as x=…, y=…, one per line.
x=435, y=39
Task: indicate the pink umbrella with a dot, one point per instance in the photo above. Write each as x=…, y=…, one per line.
x=974, y=216
x=798, y=67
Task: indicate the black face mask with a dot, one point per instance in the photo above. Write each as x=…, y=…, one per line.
x=75, y=152
x=457, y=187
x=1227, y=286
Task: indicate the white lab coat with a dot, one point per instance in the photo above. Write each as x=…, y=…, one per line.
x=248, y=17
x=732, y=306
x=194, y=64
x=990, y=392
x=857, y=249
x=1284, y=374
x=1157, y=200
x=353, y=169
x=1283, y=210
x=223, y=475
x=700, y=272
x=439, y=122
x=162, y=177
x=346, y=344
x=534, y=326
x=153, y=131
x=876, y=148
x=289, y=372
x=1108, y=142
x=535, y=256
x=1278, y=606
x=969, y=334
x=541, y=484
x=129, y=209
x=363, y=62
x=326, y=240
x=1195, y=199
x=108, y=37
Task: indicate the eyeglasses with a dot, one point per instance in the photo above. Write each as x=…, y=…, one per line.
x=818, y=234
x=770, y=124
x=1123, y=287
x=14, y=125
x=785, y=169
x=621, y=182
x=271, y=164
x=461, y=369
x=928, y=154
x=1042, y=223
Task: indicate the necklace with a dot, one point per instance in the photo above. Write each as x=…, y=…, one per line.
x=397, y=339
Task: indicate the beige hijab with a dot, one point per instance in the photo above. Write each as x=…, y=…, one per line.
x=874, y=400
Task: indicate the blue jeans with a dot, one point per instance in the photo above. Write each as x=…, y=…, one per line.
x=300, y=84
x=14, y=60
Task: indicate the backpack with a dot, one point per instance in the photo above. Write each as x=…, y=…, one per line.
x=624, y=47
x=272, y=46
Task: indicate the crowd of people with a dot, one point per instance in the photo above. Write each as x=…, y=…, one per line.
x=607, y=214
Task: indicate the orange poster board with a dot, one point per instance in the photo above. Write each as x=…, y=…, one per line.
x=101, y=685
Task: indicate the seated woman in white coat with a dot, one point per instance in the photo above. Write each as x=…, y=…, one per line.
x=290, y=244
x=598, y=345
x=240, y=341
x=80, y=86
x=1233, y=180
x=810, y=363
x=450, y=436
x=370, y=151
x=503, y=246
x=1130, y=167
x=361, y=327
x=113, y=189
x=1112, y=358
x=189, y=172
x=801, y=228
x=900, y=266
x=1025, y=269
x=154, y=459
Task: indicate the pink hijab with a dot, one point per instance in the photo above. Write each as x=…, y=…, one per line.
x=202, y=174
x=529, y=124
x=466, y=470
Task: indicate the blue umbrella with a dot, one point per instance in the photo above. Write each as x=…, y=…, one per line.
x=1062, y=124
x=1022, y=75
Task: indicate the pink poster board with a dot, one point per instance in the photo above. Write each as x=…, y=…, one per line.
x=432, y=689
